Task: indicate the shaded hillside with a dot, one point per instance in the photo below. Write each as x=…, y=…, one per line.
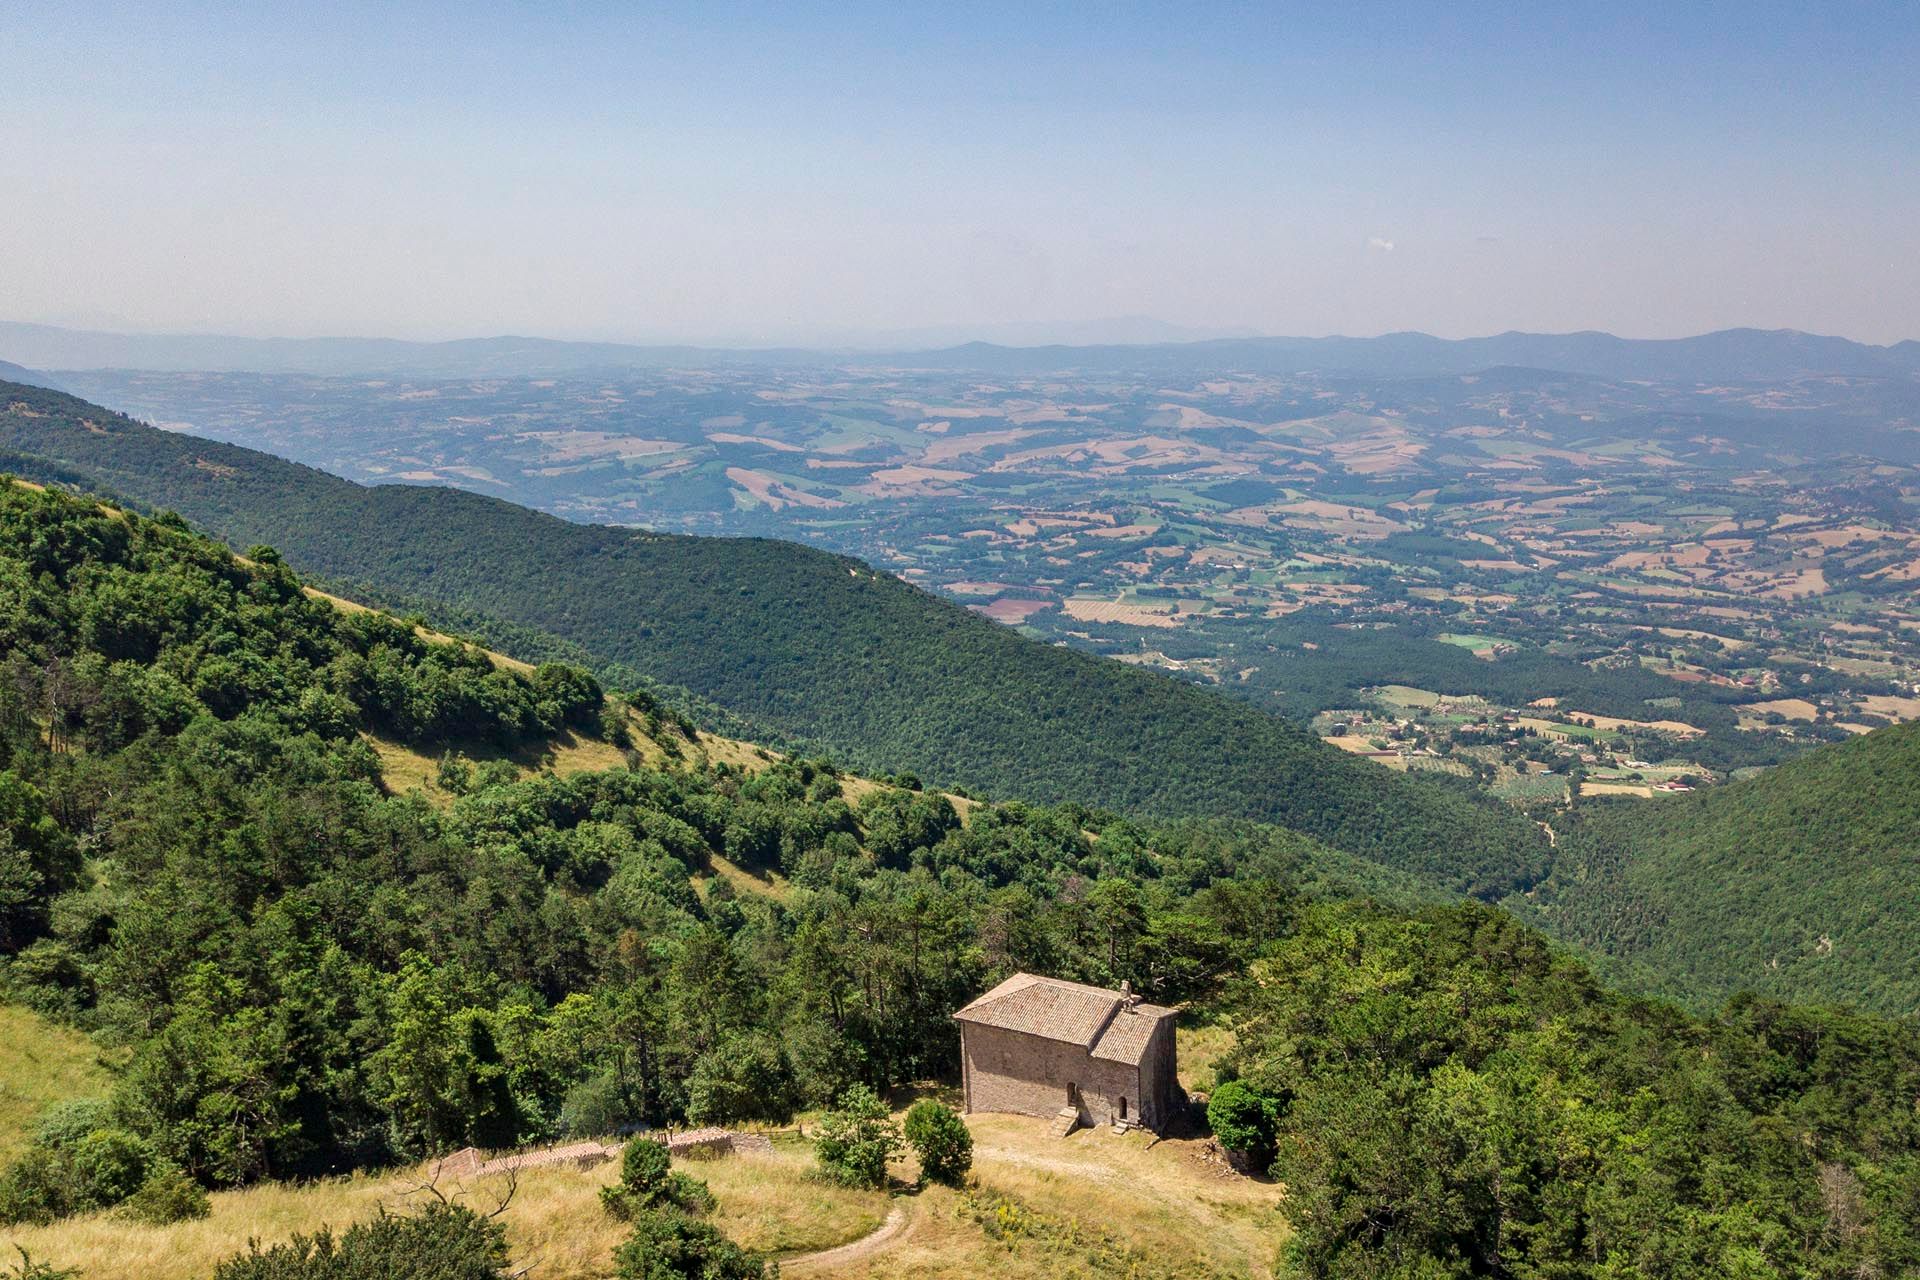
x=815, y=646
x=1802, y=883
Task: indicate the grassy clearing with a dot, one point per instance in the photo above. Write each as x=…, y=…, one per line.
x=770, y=884
x=554, y=1220
x=775, y=1205
x=1093, y=1205
x=40, y=1063
x=1472, y=641
x=1404, y=695
x=1197, y=1046
x=406, y=769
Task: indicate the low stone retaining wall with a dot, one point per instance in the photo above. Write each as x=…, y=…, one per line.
x=690, y=1144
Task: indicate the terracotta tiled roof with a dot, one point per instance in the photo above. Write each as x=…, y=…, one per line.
x=1092, y=1017
x=1125, y=1039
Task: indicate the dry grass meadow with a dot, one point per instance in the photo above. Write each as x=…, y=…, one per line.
x=554, y=1220
x=1094, y=1205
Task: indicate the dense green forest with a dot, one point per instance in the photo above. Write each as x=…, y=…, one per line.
x=1443, y=1095
x=1803, y=883
x=819, y=648
x=200, y=864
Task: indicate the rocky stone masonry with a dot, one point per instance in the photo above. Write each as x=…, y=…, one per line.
x=693, y=1144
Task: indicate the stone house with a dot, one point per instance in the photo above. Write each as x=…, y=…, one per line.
x=1039, y=1046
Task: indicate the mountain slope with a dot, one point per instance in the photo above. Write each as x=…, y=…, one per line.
x=1802, y=883
x=814, y=646
x=10, y=372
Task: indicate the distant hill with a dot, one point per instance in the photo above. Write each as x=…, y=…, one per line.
x=817, y=647
x=10, y=372
x=1802, y=883
x=1730, y=355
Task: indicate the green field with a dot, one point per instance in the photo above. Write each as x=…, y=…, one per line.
x=1470, y=641
x=41, y=1063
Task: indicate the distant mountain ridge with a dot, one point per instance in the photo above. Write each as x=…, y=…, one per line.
x=1729, y=355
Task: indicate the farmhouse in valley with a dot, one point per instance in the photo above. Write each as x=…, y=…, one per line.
x=1043, y=1047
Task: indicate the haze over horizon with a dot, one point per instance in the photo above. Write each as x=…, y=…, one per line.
x=827, y=176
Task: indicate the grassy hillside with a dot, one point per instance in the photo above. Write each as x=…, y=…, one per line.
x=553, y=1217
x=1079, y=1207
x=819, y=648
x=41, y=1063
x=1802, y=883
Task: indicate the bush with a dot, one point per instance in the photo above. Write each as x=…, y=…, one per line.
x=167, y=1196
x=856, y=1140
x=443, y=1242
x=108, y=1166
x=63, y=1124
x=648, y=1182
x=34, y=1188
x=28, y=1269
x=942, y=1141
x=1243, y=1121
x=595, y=1106
x=742, y=1078
x=69, y=1170
x=668, y=1245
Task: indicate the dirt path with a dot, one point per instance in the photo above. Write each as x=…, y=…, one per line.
x=899, y=1218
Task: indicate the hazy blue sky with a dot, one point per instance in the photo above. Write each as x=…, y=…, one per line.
x=794, y=172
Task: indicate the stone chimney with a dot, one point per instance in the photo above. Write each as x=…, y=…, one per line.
x=1127, y=999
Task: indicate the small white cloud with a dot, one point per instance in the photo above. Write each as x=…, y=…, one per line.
x=1384, y=246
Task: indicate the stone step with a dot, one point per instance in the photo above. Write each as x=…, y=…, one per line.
x=1064, y=1123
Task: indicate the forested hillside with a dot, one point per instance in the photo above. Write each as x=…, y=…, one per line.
x=1802, y=883
x=819, y=648
x=308, y=974
x=1443, y=1095
x=198, y=860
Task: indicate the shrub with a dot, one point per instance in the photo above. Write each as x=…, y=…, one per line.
x=648, y=1182
x=108, y=1166
x=856, y=1139
x=595, y=1106
x=34, y=1188
x=71, y=1170
x=742, y=1078
x=443, y=1242
x=1243, y=1121
x=942, y=1141
x=668, y=1245
x=28, y=1269
x=167, y=1196
x=63, y=1124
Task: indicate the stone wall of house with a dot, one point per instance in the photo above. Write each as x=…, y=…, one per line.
x=1028, y=1075
x=1161, y=1097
